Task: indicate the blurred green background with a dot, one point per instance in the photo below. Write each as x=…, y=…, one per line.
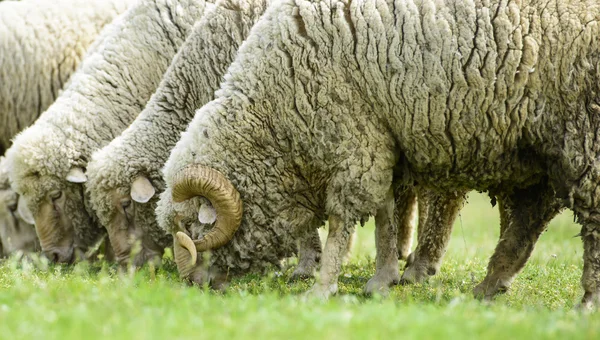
x=99, y=301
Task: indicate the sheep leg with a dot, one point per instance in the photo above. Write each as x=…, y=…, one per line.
x=435, y=228
x=309, y=254
x=406, y=201
x=524, y=215
x=591, y=266
x=333, y=254
x=386, y=274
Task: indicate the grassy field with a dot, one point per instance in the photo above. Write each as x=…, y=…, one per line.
x=97, y=301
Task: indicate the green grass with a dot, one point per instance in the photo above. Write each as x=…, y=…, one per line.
x=97, y=301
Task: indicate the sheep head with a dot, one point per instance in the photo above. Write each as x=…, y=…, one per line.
x=202, y=181
x=52, y=210
x=123, y=230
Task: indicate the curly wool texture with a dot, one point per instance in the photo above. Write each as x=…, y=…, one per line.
x=324, y=95
x=104, y=96
x=190, y=82
x=42, y=44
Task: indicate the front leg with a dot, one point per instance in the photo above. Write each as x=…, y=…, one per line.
x=333, y=255
x=386, y=274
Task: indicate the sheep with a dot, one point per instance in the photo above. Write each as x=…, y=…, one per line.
x=70, y=27
x=42, y=44
x=15, y=233
x=103, y=97
x=299, y=211
x=362, y=88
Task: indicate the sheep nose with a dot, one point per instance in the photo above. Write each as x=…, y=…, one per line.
x=59, y=255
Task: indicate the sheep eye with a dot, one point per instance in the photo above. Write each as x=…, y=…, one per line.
x=12, y=206
x=56, y=195
x=125, y=203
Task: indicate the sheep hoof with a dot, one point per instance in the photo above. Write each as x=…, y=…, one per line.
x=380, y=284
x=414, y=273
x=322, y=292
x=488, y=289
x=305, y=270
x=301, y=274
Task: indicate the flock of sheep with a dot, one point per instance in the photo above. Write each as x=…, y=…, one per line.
x=239, y=127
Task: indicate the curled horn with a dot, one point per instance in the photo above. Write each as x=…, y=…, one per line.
x=198, y=180
x=185, y=262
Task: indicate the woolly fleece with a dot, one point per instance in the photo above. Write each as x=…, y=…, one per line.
x=42, y=44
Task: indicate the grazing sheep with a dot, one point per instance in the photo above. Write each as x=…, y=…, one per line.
x=287, y=178
x=42, y=44
x=325, y=96
x=33, y=71
x=103, y=97
x=124, y=176
x=15, y=233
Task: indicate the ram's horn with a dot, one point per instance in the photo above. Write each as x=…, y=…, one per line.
x=198, y=180
x=185, y=263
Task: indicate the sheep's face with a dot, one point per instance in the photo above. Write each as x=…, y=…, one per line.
x=56, y=207
x=199, y=273
x=204, y=213
x=250, y=250
x=15, y=233
x=195, y=269
x=184, y=217
x=129, y=212
x=54, y=227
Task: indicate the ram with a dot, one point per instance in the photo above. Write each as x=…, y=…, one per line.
x=111, y=87
x=303, y=208
x=42, y=44
x=327, y=98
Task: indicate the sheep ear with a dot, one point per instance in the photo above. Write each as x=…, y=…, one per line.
x=207, y=214
x=24, y=211
x=142, y=190
x=76, y=175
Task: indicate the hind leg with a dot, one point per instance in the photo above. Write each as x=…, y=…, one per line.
x=386, y=274
x=404, y=215
x=435, y=228
x=309, y=254
x=524, y=215
x=590, y=280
